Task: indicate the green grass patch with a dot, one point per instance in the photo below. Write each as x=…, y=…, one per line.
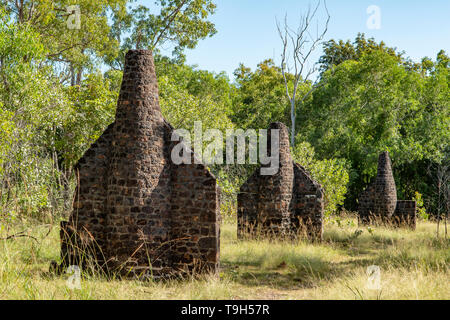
x=414, y=265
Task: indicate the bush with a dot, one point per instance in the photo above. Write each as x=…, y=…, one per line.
x=421, y=212
x=332, y=174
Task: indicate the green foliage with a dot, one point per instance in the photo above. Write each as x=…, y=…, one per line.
x=375, y=104
x=45, y=125
x=178, y=23
x=6, y=136
x=421, y=211
x=337, y=52
x=72, y=50
x=332, y=174
x=32, y=104
x=262, y=96
x=188, y=95
x=92, y=110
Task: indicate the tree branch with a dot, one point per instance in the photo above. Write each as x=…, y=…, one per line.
x=299, y=41
x=171, y=18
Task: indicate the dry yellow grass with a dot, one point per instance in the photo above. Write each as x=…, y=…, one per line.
x=414, y=265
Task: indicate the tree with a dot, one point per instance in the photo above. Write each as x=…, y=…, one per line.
x=332, y=174
x=337, y=52
x=180, y=23
x=303, y=41
x=34, y=107
x=188, y=95
x=72, y=51
x=376, y=104
x=261, y=96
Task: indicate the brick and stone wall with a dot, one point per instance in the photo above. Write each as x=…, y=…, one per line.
x=248, y=206
x=378, y=203
x=136, y=211
x=308, y=209
x=288, y=203
x=385, y=199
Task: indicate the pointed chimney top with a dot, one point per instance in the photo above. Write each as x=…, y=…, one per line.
x=283, y=145
x=384, y=164
x=139, y=91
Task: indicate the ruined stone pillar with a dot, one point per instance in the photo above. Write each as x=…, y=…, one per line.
x=138, y=199
x=288, y=203
x=385, y=199
x=275, y=191
x=141, y=214
x=378, y=203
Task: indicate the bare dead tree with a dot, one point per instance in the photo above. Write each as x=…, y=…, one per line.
x=298, y=46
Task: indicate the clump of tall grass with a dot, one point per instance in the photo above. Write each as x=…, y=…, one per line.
x=414, y=265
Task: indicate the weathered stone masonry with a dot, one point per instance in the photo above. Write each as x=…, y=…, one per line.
x=286, y=204
x=135, y=211
x=379, y=204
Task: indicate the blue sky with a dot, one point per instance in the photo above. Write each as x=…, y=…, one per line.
x=247, y=29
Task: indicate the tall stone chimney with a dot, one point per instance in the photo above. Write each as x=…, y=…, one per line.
x=385, y=191
x=378, y=203
x=276, y=192
x=288, y=203
x=135, y=211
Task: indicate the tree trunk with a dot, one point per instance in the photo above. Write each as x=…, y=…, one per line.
x=293, y=123
x=78, y=78
x=445, y=222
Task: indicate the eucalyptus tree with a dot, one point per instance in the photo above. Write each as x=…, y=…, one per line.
x=72, y=48
x=176, y=23
x=297, y=48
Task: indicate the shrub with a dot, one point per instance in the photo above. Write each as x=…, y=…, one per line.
x=332, y=174
x=421, y=212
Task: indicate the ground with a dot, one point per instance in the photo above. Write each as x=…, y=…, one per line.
x=414, y=265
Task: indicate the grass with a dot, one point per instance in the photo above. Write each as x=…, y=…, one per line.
x=414, y=265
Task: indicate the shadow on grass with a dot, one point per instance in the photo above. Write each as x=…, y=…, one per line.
x=298, y=272
x=289, y=269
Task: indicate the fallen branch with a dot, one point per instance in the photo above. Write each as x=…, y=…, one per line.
x=19, y=235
